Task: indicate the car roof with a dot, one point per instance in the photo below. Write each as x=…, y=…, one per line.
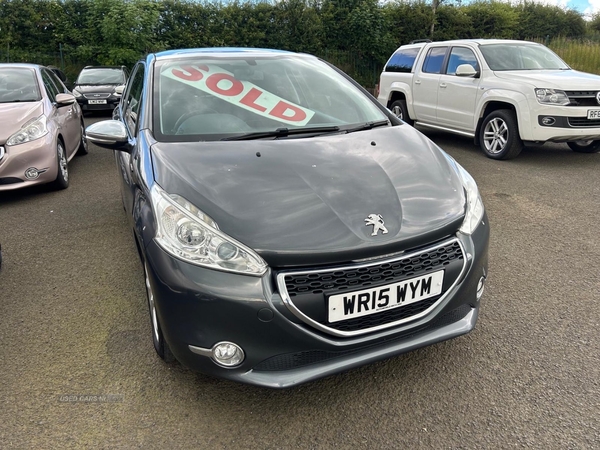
x=103, y=67
x=223, y=51
x=474, y=41
x=22, y=65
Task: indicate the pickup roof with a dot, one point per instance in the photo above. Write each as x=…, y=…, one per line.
x=502, y=93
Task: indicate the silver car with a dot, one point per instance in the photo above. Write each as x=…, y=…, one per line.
x=42, y=127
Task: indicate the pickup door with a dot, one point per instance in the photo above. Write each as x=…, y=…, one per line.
x=426, y=82
x=457, y=96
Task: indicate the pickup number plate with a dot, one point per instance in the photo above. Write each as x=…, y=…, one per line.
x=593, y=114
x=371, y=301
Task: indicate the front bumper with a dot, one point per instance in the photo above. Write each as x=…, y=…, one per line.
x=198, y=308
x=563, y=124
x=111, y=103
x=39, y=154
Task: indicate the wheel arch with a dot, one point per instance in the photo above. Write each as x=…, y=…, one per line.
x=489, y=107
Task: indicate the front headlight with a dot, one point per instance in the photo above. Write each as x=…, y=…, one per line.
x=552, y=97
x=32, y=130
x=76, y=93
x=188, y=234
x=475, y=209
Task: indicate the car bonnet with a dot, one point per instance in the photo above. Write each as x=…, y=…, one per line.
x=14, y=115
x=307, y=201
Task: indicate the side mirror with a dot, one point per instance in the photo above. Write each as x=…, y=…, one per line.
x=466, y=70
x=64, y=100
x=120, y=89
x=109, y=134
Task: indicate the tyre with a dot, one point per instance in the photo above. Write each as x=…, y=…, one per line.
x=398, y=108
x=585, y=146
x=499, y=135
x=62, y=177
x=83, y=143
x=160, y=345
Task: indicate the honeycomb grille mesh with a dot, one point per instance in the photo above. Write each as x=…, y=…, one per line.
x=313, y=288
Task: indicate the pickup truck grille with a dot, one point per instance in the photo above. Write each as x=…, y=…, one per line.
x=583, y=122
x=583, y=98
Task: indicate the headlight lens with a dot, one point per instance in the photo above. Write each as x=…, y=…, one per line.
x=187, y=233
x=76, y=93
x=475, y=208
x=32, y=130
x=552, y=97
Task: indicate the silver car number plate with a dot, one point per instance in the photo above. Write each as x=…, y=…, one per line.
x=370, y=301
x=593, y=114
x=97, y=102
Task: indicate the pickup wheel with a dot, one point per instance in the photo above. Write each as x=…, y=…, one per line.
x=398, y=108
x=499, y=135
x=585, y=146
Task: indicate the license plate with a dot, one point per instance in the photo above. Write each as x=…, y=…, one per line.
x=593, y=114
x=97, y=102
x=370, y=301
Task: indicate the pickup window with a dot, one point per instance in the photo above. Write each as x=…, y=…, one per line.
x=461, y=55
x=403, y=60
x=434, y=60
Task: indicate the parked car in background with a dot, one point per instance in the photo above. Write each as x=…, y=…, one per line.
x=289, y=226
x=42, y=127
x=99, y=88
x=502, y=93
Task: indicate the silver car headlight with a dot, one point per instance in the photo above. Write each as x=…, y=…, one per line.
x=76, y=93
x=552, y=97
x=30, y=131
x=188, y=234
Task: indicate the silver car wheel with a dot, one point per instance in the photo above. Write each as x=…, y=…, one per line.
x=62, y=162
x=495, y=135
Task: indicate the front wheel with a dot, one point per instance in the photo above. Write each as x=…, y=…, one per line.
x=83, y=143
x=499, y=135
x=399, y=109
x=160, y=345
x=585, y=146
x=62, y=178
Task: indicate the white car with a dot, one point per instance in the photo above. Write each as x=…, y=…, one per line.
x=502, y=93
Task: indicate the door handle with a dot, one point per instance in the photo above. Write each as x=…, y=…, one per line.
x=417, y=81
x=443, y=85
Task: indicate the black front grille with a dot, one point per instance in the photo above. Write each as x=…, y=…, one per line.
x=375, y=275
x=296, y=360
x=309, y=291
x=583, y=122
x=582, y=98
x=10, y=180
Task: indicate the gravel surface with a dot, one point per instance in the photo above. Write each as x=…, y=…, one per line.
x=74, y=326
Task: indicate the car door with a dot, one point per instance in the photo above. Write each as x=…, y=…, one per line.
x=60, y=116
x=128, y=113
x=457, y=96
x=426, y=82
x=73, y=123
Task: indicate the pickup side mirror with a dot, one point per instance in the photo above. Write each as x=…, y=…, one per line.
x=466, y=70
x=109, y=134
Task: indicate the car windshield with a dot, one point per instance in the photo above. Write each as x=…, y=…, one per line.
x=211, y=98
x=101, y=76
x=18, y=85
x=521, y=57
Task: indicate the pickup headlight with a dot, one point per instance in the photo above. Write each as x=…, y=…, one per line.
x=30, y=131
x=475, y=209
x=188, y=234
x=552, y=97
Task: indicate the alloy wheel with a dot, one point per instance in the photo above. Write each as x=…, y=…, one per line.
x=62, y=162
x=151, y=305
x=495, y=135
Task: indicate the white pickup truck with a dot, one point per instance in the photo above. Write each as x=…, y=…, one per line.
x=502, y=93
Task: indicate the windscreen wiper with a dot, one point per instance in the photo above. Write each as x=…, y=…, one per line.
x=281, y=132
x=368, y=126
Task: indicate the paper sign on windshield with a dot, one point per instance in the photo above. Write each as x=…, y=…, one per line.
x=221, y=83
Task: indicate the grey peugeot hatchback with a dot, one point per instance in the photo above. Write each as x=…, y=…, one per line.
x=289, y=226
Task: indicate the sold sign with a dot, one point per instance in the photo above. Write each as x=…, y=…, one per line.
x=222, y=84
